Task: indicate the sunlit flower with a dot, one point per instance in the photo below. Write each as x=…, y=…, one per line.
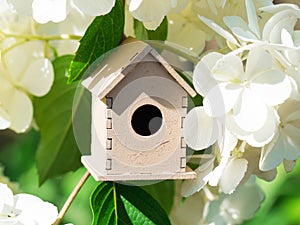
x=286, y=143
x=44, y=11
x=235, y=208
x=214, y=12
x=24, y=209
x=34, y=75
x=284, y=18
x=152, y=12
x=245, y=98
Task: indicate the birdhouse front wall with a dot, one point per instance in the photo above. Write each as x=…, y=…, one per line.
x=147, y=84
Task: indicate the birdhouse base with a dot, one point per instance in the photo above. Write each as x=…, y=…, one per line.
x=88, y=163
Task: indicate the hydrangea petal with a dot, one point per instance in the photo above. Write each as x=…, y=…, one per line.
x=95, y=7
x=13, y=58
x=272, y=154
x=235, y=21
x=202, y=79
x=34, y=208
x=258, y=61
x=287, y=23
x=229, y=69
x=284, y=19
x=221, y=98
x=292, y=133
x=227, y=142
x=250, y=113
x=6, y=199
x=278, y=8
x=252, y=17
x=20, y=111
x=22, y=7
x=263, y=136
x=228, y=36
x=192, y=186
x=244, y=35
x=4, y=119
x=22, y=56
x=232, y=126
x=9, y=221
x=243, y=203
x=39, y=77
x=233, y=174
x=44, y=11
x=212, y=214
x=153, y=25
x=289, y=110
x=273, y=86
x=200, y=131
x=134, y=4
x=150, y=10
x=216, y=174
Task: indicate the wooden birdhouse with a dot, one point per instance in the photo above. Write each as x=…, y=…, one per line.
x=139, y=103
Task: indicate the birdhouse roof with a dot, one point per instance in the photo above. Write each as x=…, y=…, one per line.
x=110, y=70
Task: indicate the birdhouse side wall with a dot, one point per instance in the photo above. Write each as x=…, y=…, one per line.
x=99, y=134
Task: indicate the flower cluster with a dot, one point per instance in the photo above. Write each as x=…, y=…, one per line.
x=150, y=12
x=22, y=44
x=251, y=103
x=24, y=209
x=210, y=207
x=24, y=72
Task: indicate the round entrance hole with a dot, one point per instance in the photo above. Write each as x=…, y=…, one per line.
x=146, y=120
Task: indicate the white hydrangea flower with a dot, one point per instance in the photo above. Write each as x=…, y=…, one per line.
x=95, y=7
x=24, y=209
x=212, y=13
x=284, y=18
x=152, y=12
x=286, y=143
x=246, y=98
x=11, y=22
x=33, y=75
x=44, y=11
x=235, y=208
x=230, y=163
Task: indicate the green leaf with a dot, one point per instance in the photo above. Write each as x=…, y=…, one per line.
x=57, y=151
x=17, y=152
x=116, y=204
x=104, y=34
x=163, y=192
x=143, y=34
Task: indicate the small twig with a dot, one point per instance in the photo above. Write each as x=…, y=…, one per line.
x=71, y=198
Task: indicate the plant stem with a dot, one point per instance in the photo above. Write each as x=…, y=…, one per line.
x=71, y=198
x=43, y=37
